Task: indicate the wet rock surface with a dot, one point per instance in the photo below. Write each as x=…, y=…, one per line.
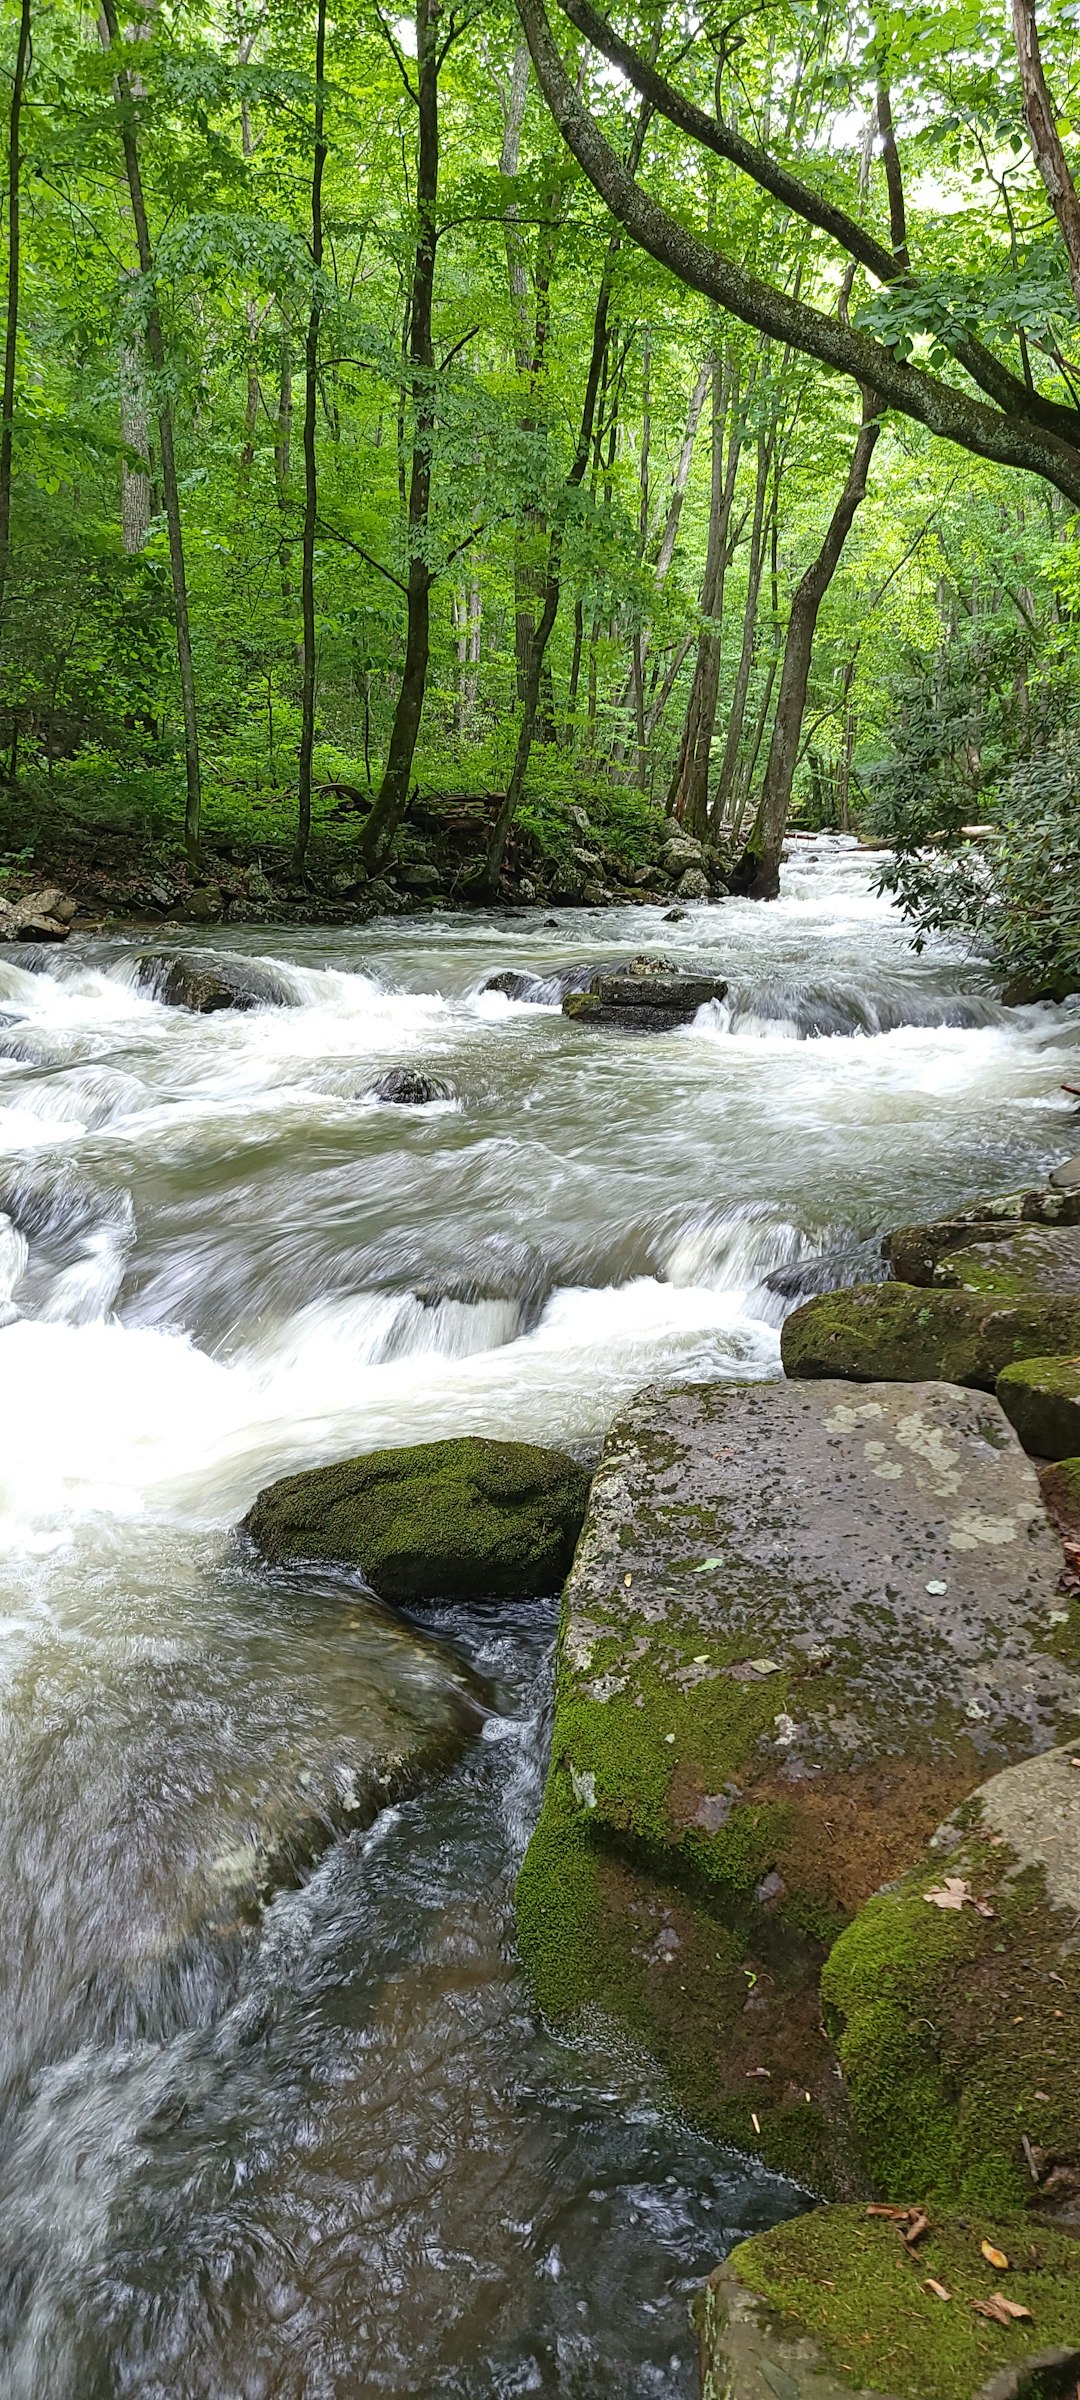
x=1041, y=1398
x=833, y=2307
x=204, y=985
x=956, y=2002
x=914, y=1252
x=644, y=999
x=901, y=1333
x=802, y=1622
x=445, y=1520
x=408, y=1087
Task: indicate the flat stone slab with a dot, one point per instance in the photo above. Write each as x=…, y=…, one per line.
x=643, y=1000
x=903, y=1333
x=1033, y=1258
x=803, y=1621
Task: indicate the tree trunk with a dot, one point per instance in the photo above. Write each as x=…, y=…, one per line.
x=768, y=838
x=1046, y=142
x=11, y=330
x=155, y=342
x=688, y=796
x=393, y=792
x=755, y=566
x=311, y=478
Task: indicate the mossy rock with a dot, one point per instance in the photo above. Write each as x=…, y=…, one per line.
x=832, y=2306
x=802, y=1622
x=1060, y=1488
x=913, y=1251
x=1034, y=1258
x=205, y=982
x=958, y=2027
x=458, y=1520
x=900, y=1333
x=1041, y=1398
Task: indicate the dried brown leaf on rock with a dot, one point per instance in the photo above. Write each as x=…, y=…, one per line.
x=994, y=2258
x=952, y=1892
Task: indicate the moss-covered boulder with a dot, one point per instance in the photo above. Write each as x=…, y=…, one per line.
x=457, y=1520
x=644, y=999
x=1041, y=1398
x=802, y=1622
x=206, y=982
x=1034, y=1258
x=899, y=1333
x=1060, y=1488
x=914, y=1251
x=835, y=2307
x=955, y=2003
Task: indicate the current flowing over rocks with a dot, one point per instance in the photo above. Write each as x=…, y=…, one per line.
x=224, y=1259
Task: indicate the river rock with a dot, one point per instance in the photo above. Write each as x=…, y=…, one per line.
x=516, y=983
x=914, y=1251
x=407, y=1087
x=955, y=2002
x=803, y=1621
x=1060, y=1488
x=1041, y=1398
x=1034, y=1258
x=693, y=885
x=37, y=917
x=644, y=999
x=204, y=984
x=680, y=851
x=456, y=1520
x=1066, y=1178
x=898, y=1333
x=833, y=2307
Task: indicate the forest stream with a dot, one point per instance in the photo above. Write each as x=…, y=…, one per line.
x=341, y=2157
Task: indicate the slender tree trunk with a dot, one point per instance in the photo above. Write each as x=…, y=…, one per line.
x=688, y=797
x=283, y=469
x=311, y=478
x=768, y=838
x=11, y=329
x=725, y=788
x=1046, y=142
x=155, y=342
x=393, y=792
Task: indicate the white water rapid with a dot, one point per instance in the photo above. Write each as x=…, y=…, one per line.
x=354, y=2164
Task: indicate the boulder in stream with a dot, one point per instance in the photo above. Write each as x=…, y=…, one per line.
x=802, y=1623
x=1041, y=1398
x=899, y=1333
x=1033, y=1258
x=643, y=1000
x=955, y=2003
x=457, y=1520
x=409, y=1087
x=833, y=2306
x=205, y=983
x=915, y=1252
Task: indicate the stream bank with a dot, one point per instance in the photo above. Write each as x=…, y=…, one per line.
x=349, y=2158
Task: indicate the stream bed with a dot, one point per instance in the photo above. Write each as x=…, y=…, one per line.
x=344, y=2158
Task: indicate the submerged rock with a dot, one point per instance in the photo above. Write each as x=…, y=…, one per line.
x=833, y=2307
x=955, y=1999
x=1041, y=1398
x=456, y=1520
x=898, y=1333
x=206, y=984
x=644, y=999
x=409, y=1088
x=802, y=1622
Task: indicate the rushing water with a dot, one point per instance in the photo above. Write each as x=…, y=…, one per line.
x=346, y=2159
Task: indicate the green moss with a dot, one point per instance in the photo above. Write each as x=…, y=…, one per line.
x=848, y=2281
x=956, y=2032
x=457, y=1520
x=1061, y=1492
x=900, y=1333
x=1041, y=1398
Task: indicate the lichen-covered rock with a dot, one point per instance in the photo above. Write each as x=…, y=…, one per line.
x=913, y=1251
x=901, y=1333
x=1041, y=1398
x=833, y=2307
x=206, y=984
x=1034, y=1258
x=958, y=2026
x=802, y=1622
x=1066, y=1178
x=456, y=1520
